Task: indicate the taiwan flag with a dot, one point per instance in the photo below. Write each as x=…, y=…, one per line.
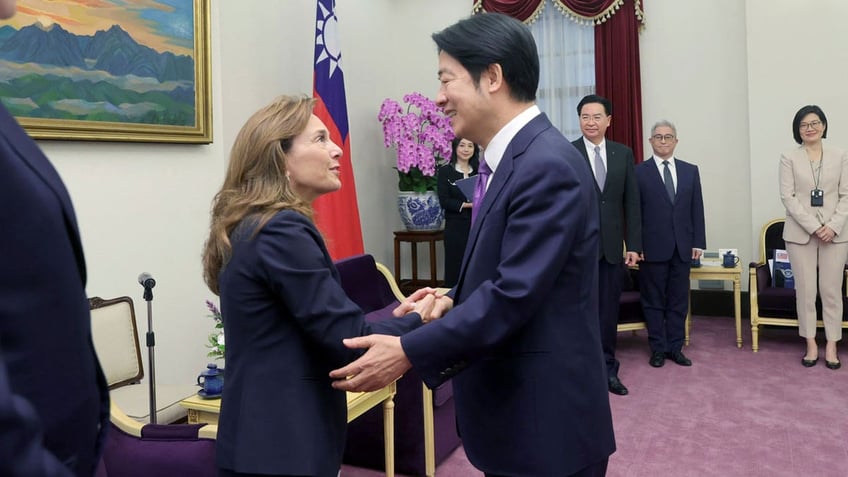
x=336, y=213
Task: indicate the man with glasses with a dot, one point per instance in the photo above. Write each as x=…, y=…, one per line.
x=673, y=236
x=618, y=200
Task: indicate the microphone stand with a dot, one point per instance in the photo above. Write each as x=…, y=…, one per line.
x=148, y=283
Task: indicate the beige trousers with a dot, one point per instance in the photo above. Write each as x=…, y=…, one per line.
x=829, y=259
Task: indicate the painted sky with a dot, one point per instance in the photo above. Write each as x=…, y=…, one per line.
x=164, y=25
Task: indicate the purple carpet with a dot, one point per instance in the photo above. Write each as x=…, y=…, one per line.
x=733, y=413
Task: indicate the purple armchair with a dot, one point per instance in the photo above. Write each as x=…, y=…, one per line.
x=425, y=421
x=630, y=316
x=772, y=305
x=135, y=449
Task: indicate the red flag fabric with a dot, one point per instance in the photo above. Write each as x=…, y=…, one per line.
x=337, y=213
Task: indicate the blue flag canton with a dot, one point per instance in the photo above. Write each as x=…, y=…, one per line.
x=329, y=77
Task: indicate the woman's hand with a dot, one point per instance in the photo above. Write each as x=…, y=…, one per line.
x=825, y=234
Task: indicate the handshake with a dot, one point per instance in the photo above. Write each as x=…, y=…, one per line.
x=384, y=360
x=430, y=303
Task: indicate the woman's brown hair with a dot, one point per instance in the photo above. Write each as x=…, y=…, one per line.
x=256, y=183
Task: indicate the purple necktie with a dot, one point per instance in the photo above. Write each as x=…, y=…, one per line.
x=480, y=188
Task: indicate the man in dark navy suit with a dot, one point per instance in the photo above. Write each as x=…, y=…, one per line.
x=618, y=201
x=54, y=403
x=521, y=340
x=672, y=236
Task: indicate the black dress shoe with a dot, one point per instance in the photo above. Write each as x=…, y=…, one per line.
x=833, y=364
x=615, y=386
x=657, y=359
x=808, y=363
x=679, y=358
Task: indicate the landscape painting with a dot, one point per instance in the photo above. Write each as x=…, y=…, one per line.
x=108, y=70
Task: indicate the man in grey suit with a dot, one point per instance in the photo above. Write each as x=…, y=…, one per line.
x=618, y=201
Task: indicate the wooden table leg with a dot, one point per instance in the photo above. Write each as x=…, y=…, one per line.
x=433, y=273
x=414, y=247
x=737, y=309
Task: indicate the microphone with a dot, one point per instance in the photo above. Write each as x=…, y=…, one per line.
x=146, y=280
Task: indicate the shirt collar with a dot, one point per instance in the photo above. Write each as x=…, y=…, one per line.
x=497, y=146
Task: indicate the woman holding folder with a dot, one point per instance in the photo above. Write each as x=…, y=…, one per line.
x=457, y=205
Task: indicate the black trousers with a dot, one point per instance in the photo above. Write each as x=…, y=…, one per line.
x=609, y=294
x=664, y=289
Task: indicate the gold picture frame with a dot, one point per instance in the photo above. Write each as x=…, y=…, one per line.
x=109, y=71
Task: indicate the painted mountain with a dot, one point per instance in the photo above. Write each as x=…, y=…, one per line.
x=48, y=72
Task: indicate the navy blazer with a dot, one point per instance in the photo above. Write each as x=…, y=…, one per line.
x=531, y=397
x=54, y=402
x=618, y=202
x=285, y=315
x=684, y=218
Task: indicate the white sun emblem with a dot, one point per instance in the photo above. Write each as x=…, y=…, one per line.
x=328, y=38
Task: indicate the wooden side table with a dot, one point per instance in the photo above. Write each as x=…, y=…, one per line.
x=409, y=285
x=207, y=411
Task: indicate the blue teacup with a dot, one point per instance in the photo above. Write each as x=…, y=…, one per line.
x=211, y=380
x=730, y=260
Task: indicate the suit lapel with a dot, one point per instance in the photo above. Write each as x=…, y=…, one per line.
x=497, y=183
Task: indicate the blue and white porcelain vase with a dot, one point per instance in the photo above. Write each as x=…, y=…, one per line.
x=420, y=211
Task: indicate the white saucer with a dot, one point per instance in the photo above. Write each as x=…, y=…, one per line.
x=202, y=393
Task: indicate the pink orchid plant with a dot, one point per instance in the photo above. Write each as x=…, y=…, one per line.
x=423, y=139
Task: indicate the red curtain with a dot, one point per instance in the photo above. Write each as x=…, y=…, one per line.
x=618, y=75
x=594, y=10
x=524, y=10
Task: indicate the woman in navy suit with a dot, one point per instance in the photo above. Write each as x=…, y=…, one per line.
x=463, y=164
x=284, y=311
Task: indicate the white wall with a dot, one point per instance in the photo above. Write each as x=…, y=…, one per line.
x=694, y=75
x=144, y=207
x=796, y=56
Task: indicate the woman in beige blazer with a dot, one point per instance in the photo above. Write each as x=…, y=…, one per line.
x=814, y=190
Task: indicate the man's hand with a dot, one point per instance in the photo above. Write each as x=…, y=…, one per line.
x=408, y=305
x=383, y=363
x=427, y=302
x=442, y=305
x=631, y=258
x=697, y=253
x=424, y=307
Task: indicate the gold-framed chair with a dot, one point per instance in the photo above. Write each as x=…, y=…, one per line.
x=420, y=412
x=115, y=336
x=770, y=305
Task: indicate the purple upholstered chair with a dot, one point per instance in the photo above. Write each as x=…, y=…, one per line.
x=135, y=449
x=630, y=316
x=772, y=305
x=419, y=413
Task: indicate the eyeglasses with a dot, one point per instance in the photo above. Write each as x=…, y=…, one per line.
x=812, y=124
x=597, y=118
x=660, y=137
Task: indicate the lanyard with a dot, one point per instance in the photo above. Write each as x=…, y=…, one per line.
x=817, y=174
